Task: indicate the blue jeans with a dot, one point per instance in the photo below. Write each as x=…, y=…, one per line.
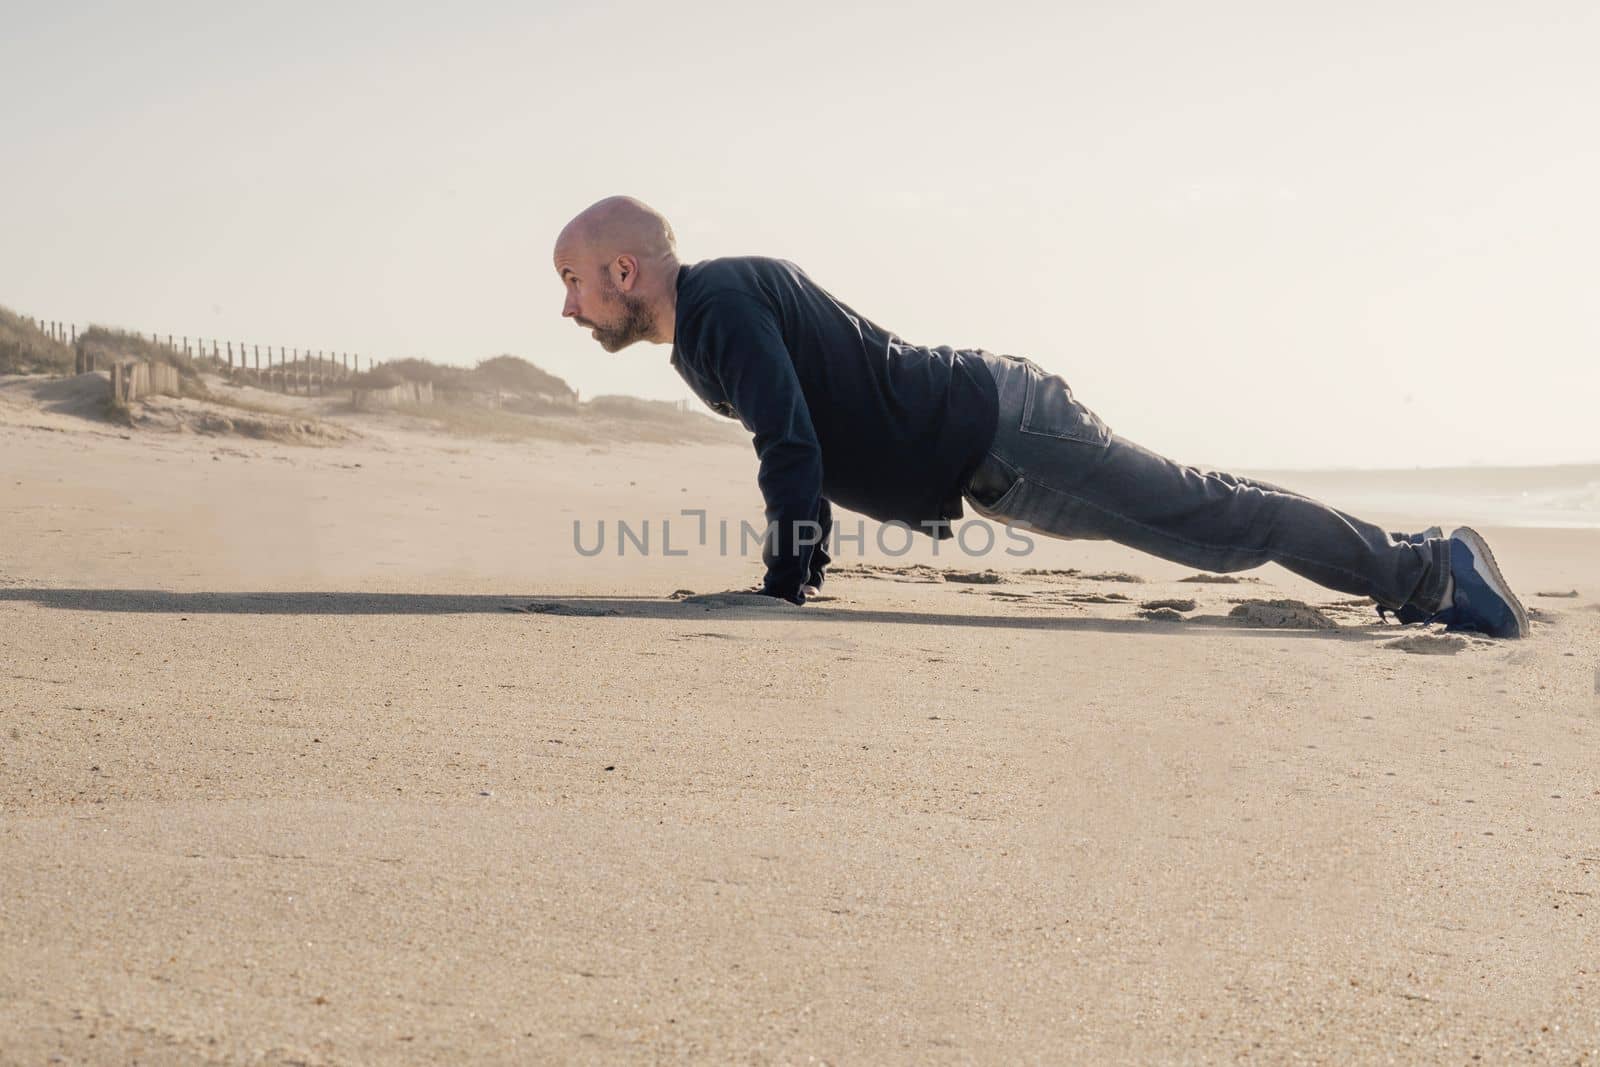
x=1055, y=468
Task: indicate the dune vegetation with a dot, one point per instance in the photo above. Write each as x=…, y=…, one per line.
x=26, y=349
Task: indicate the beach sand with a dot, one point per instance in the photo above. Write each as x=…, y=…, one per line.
x=344, y=754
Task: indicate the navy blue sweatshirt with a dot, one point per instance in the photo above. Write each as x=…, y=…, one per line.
x=840, y=408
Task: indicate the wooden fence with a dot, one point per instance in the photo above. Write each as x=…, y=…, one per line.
x=285, y=369
x=406, y=394
x=131, y=381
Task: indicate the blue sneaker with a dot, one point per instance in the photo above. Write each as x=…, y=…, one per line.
x=1482, y=600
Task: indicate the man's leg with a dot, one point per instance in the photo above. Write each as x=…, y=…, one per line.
x=1394, y=535
x=1055, y=468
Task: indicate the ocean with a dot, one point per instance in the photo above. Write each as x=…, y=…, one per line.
x=1564, y=497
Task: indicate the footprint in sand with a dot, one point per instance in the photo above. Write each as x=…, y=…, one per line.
x=1172, y=603
x=915, y=572
x=556, y=607
x=919, y=573
x=1281, y=614
x=988, y=577
x=1429, y=644
x=1051, y=572
x=1037, y=598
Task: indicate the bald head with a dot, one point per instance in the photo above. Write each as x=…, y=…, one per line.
x=620, y=225
x=618, y=260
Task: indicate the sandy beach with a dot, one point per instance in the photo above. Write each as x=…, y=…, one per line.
x=342, y=752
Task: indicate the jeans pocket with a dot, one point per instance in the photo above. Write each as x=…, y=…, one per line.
x=991, y=485
x=1050, y=410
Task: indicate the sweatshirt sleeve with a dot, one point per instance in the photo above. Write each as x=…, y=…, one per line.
x=819, y=555
x=742, y=347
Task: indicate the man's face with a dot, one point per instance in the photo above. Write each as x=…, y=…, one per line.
x=616, y=318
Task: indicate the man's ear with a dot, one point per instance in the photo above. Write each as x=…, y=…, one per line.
x=625, y=272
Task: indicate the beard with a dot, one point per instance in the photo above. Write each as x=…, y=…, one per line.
x=637, y=322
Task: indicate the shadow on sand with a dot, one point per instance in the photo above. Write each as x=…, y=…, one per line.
x=515, y=608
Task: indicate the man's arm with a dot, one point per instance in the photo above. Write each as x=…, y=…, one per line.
x=743, y=348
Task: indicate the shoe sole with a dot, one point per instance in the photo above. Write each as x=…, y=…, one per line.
x=1491, y=572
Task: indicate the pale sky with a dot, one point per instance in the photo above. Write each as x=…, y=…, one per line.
x=1261, y=235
